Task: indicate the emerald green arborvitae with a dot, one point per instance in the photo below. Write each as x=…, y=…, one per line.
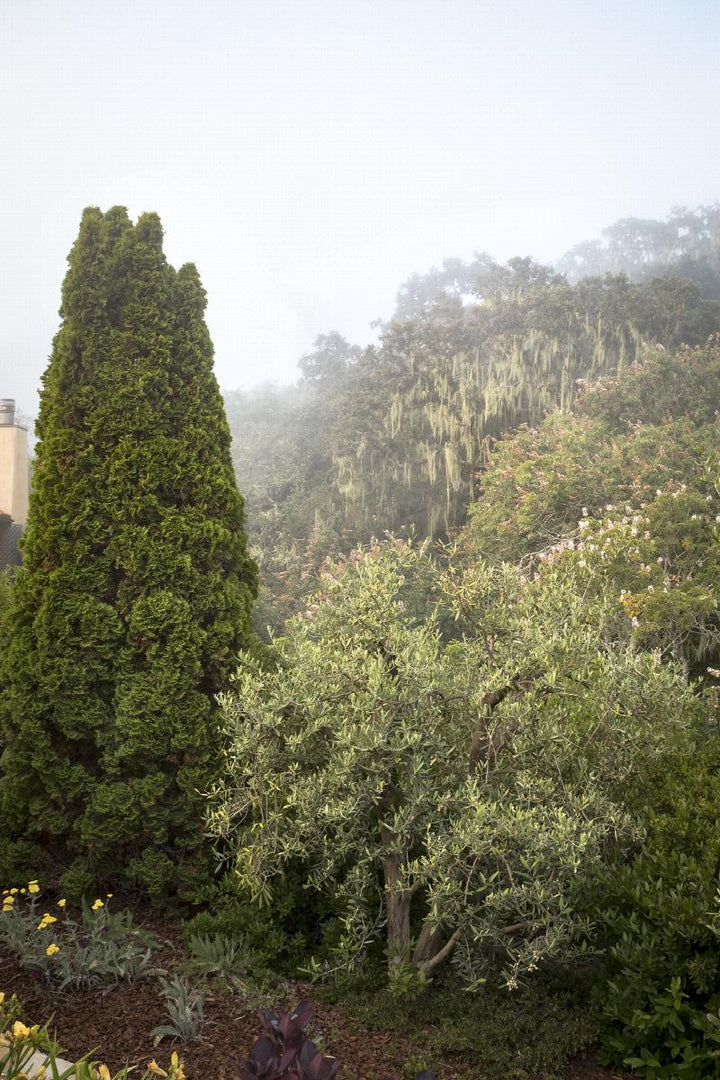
x=135, y=593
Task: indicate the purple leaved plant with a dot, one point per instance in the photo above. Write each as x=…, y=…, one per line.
x=286, y=1053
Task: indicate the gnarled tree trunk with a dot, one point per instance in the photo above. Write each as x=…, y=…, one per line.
x=397, y=903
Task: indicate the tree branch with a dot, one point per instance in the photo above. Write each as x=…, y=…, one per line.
x=429, y=965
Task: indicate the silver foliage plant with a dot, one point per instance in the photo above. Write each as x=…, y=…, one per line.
x=445, y=751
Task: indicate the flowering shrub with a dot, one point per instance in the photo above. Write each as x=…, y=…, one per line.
x=660, y=561
x=650, y=428
x=19, y=1045
x=96, y=949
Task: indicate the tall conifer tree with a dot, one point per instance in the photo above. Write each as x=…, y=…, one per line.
x=134, y=597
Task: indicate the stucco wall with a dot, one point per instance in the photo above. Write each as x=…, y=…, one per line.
x=14, y=472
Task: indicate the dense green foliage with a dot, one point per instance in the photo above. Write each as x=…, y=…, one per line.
x=134, y=596
x=532, y=1032
x=660, y=919
x=6, y=580
x=624, y=495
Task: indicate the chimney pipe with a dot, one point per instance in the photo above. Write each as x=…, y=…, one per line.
x=7, y=412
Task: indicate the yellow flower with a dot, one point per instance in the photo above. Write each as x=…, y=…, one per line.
x=20, y=1031
x=109, y=895
x=62, y=903
x=46, y=920
x=177, y=1066
x=7, y=907
x=104, y=1073
x=23, y=891
x=33, y=887
x=97, y=905
x=154, y=1068
x=52, y=949
x=9, y=900
x=2, y=996
x=13, y=891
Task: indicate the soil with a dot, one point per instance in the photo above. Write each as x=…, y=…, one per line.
x=114, y=1025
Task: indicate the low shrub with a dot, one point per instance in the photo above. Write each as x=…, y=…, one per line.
x=184, y=1006
x=222, y=956
x=97, y=949
x=532, y=1031
x=668, y=1037
x=275, y=939
x=21, y=858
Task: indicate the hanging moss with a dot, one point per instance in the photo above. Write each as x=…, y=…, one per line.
x=439, y=417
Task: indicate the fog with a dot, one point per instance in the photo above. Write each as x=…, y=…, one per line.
x=309, y=156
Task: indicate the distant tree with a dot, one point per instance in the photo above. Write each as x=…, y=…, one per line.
x=686, y=245
x=134, y=596
x=509, y=281
x=418, y=294
x=283, y=457
x=632, y=433
x=330, y=358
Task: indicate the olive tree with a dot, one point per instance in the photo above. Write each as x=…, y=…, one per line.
x=445, y=753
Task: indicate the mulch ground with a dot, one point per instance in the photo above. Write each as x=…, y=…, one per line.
x=115, y=1024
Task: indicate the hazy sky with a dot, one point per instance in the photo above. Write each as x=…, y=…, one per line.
x=309, y=155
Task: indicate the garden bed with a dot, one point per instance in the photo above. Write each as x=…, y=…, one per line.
x=115, y=1024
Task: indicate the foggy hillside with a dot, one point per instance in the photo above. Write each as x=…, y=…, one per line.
x=395, y=437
